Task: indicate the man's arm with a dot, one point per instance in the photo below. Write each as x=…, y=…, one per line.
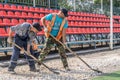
x=12, y=29
x=28, y=48
x=47, y=17
x=64, y=31
x=10, y=33
x=43, y=21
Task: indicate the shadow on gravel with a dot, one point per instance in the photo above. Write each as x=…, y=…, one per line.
x=36, y=74
x=72, y=71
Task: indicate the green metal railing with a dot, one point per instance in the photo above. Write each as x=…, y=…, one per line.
x=38, y=3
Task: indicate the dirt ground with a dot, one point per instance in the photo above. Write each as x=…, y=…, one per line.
x=107, y=61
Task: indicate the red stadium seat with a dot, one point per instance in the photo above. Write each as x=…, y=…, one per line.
x=21, y=20
x=1, y=6
x=69, y=23
x=36, y=15
x=47, y=10
x=72, y=23
x=3, y=33
x=31, y=9
x=3, y=13
x=26, y=8
x=18, y=14
x=69, y=31
x=75, y=31
x=42, y=15
x=10, y=14
x=13, y=7
x=30, y=14
x=19, y=7
x=14, y=21
x=56, y=11
x=69, y=17
x=6, y=6
x=76, y=23
x=1, y=21
x=42, y=10
x=37, y=9
x=35, y=20
x=29, y=21
x=6, y=22
x=24, y=14
x=51, y=10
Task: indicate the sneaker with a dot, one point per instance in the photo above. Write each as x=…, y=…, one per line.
x=11, y=71
x=67, y=68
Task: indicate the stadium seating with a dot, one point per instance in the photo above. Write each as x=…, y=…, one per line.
x=3, y=33
x=79, y=22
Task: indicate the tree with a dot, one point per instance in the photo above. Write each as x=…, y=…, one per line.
x=116, y=3
x=64, y=4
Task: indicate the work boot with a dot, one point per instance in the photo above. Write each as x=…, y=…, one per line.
x=11, y=71
x=34, y=70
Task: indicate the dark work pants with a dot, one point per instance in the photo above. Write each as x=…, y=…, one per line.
x=16, y=53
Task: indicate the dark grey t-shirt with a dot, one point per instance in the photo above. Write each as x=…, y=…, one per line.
x=21, y=30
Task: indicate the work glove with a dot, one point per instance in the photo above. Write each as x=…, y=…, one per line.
x=9, y=40
x=45, y=29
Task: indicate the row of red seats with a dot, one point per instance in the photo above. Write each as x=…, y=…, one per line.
x=45, y=10
x=90, y=30
x=97, y=19
x=91, y=24
x=11, y=22
x=117, y=17
x=26, y=8
x=18, y=14
x=4, y=33
x=14, y=21
x=86, y=14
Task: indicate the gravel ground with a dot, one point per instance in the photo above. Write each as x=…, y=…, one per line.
x=107, y=61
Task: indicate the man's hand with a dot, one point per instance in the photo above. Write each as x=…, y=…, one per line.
x=45, y=29
x=9, y=40
x=22, y=50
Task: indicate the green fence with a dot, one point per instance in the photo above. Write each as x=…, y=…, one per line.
x=38, y=3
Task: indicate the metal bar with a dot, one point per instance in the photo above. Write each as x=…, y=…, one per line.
x=111, y=24
x=34, y=3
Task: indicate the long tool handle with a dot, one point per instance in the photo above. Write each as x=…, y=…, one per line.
x=36, y=59
x=75, y=54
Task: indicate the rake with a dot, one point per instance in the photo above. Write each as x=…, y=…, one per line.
x=50, y=69
x=96, y=70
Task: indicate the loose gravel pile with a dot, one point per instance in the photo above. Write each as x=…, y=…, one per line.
x=107, y=62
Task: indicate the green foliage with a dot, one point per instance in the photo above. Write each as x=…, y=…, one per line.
x=116, y=3
x=64, y=4
x=111, y=76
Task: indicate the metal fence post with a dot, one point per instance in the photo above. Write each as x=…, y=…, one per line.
x=33, y=3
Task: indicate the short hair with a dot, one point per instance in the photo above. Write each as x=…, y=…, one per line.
x=37, y=26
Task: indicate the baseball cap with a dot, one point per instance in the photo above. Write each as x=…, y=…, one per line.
x=37, y=26
x=65, y=12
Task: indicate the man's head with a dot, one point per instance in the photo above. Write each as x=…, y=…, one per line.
x=36, y=27
x=63, y=13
